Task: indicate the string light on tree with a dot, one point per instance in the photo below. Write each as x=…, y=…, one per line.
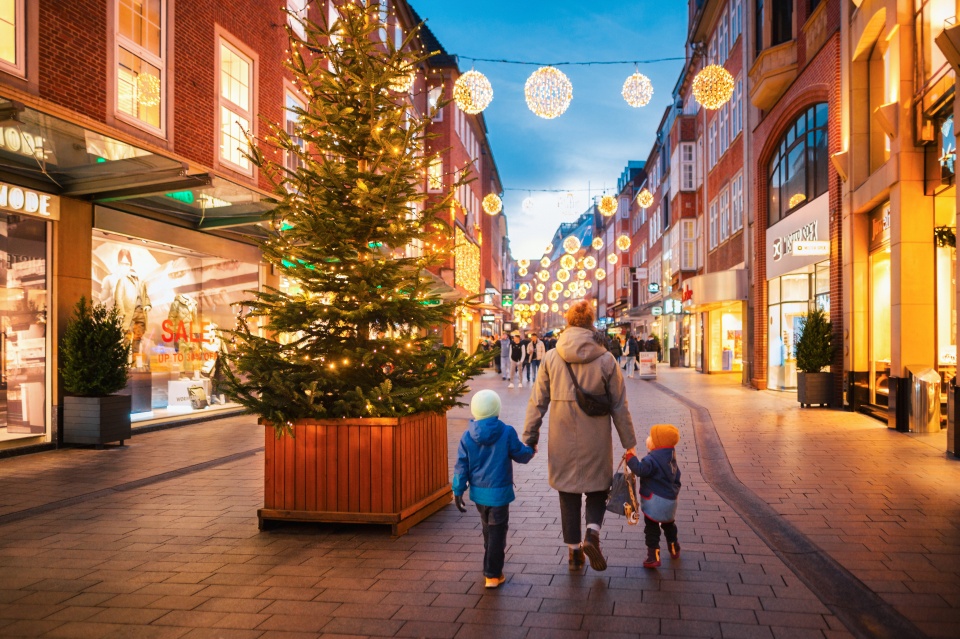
x=637, y=90
x=713, y=87
x=645, y=199
x=404, y=81
x=472, y=92
x=548, y=92
x=492, y=204
x=608, y=205
x=623, y=242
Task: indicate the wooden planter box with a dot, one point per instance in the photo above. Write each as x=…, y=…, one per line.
x=814, y=388
x=390, y=471
x=96, y=420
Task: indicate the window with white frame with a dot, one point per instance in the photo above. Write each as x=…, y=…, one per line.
x=736, y=20
x=712, y=52
x=736, y=203
x=736, y=108
x=624, y=208
x=724, y=213
x=293, y=106
x=722, y=118
x=141, y=68
x=435, y=175
x=713, y=225
x=12, y=37
x=688, y=245
x=687, y=166
x=296, y=14
x=723, y=48
x=383, y=11
x=236, y=106
x=712, y=144
x=433, y=103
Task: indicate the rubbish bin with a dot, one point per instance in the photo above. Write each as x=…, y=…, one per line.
x=675, y=357
x=952, y=417
x=924, y=385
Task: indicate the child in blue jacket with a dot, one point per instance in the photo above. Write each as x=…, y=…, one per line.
x=659, y=489
x=484, y=463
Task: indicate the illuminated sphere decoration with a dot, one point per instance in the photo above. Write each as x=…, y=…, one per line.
x=544, y=308
x=571, y=245
x=528, y=205
x=608, y=205
x=524, y=287
x=492, y=204
x=713, y=87
x=553, y=296
x=590, y=263
x=581, y=275
x=623, y=242
x=148, y=90
x=557, y=286
x=523, y=263
x=544, y=275
x=522, y=272
x=548, y=249
x=472, y=92
x=588, y=284
x=601, y=274
x=554, y=307
x=637, y=90
x=563, y=275
x=545, y=262
x=538, y=297
x=568, y=262
x=548, y=92
x=541, y=288
x=796, y=199
x=612, y=258
x=597, y=243
x=566, y=294
x=645, y=199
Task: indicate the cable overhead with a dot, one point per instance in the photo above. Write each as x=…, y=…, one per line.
x=562, y=64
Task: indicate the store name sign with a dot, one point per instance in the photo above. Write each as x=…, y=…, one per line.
x=808, y=226
x=785, y=245
x=809, y=247
x=20, y=200
x=656, y=310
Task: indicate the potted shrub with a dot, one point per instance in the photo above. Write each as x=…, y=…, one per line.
x=348, y=369
x=93, y=365
x=814, y=352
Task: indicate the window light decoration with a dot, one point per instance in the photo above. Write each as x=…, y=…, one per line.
x=571, y=244
x=148, y=90
x=645, y=199
x=713, y=87
x=492, y=204
x=548, y=92
x=472, y=92
x=637, y=90
x=608, y=205
x=796, y=199
x=623, y=242
x=597, y=243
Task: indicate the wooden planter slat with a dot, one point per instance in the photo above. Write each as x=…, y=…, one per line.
x=385, y=471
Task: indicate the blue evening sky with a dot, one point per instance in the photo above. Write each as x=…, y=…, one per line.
x=590, y=144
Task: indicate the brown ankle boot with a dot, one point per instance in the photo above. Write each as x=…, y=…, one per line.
x=653, y=558
x=591, y=548
x=575, y=559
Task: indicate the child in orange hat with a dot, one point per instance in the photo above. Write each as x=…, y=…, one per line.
x=659, y=488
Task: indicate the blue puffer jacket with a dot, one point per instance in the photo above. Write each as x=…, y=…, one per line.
x=484, y=462
x=658, y=473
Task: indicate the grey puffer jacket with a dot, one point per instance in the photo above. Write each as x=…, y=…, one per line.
x=580, y=451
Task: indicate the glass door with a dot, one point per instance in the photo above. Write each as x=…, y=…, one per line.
x=879, y=331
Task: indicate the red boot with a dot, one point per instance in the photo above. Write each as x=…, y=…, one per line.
x=653, y=558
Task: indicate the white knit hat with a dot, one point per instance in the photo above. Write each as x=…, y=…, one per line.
x=485, y=403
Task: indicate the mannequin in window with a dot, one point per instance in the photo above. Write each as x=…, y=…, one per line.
x=182, y=316
x=129, y=294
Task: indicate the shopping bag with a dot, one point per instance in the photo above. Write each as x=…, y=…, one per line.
x=198, y=397
x=622, y=498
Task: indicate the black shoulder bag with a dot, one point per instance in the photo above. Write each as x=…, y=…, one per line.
x=590, y=403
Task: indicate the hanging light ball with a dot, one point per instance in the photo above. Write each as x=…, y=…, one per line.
x=544, y=308
x=524, y=288
x=522, y=272
x=567, y=202
x=612, y=258
x=590, y=263
x=548, y=92
x=588, y=284
x=645, y=199
x=637, y=90
x=541, y=288
x=148, y=90
x=713, y=87
x=472, y=92
x=545, y=262
x=538, y=297
x=548, y=249
x=623, y=242
x=608, y=205
x=544, y=275
x=557, y=286
x=492, y=204
x=563, y=275
x=554, y=307
x=527, y=205
x=571, y=245
x=568, y=262
x=581, y=275
x=573, y=286
x=566, y=294
x=601, y=274
x=523, y=263
x=553, y=296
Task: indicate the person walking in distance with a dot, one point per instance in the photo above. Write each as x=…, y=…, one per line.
x=659, y=489
x=505, y=356
x=518, y=356
x=535, y=352
x=631, y=355
x=580, y=453
x=525, y=342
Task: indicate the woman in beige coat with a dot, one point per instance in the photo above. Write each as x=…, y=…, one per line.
x=580, y=454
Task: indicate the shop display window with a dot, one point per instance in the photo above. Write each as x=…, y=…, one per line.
x=726, y=338
x=173, y=302
x=879, y=336
x=946, y=315
x=794, y=294
x=23, y=318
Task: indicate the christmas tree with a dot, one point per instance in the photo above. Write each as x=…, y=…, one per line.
x=359, y=335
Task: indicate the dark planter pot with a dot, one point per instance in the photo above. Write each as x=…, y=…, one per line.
x=814, y=388
x=96, y=420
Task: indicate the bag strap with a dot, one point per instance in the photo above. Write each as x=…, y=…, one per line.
x=576, y=384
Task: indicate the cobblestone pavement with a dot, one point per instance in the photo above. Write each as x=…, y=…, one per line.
x=159, y=538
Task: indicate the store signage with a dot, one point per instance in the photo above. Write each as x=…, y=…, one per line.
x=28, y=202
x=811, y=248
x=880, y=226
x=784, y=245
x=653, y=287
x=810, y=223
x=488, y=317
x=656, y=310
x=507, y=298
x=641, y=272
x=14, y=140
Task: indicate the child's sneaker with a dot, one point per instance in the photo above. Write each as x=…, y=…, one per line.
x=653, y=558
x=494, y=582
x=674, y=548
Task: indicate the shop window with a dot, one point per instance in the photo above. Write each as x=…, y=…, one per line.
x=172, y=301
x=236, y=106
x=296, y=13
x=946, y=314
x=930, y=18
x=12, y=37
x=141, y=66
x=797, y=172
x=879, y=327
x=726, y=338
x=23, y=327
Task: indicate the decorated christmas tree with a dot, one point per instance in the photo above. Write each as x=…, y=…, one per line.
x=358, y=331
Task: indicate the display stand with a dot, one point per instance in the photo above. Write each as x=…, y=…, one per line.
x=179, y=395
x=648, y=365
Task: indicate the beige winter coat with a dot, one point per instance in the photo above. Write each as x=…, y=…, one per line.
x=580, y=451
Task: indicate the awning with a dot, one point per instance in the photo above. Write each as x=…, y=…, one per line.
x=707, y=291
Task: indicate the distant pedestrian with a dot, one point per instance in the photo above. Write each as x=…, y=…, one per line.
x=518, y=355
x=495, y=351
x=659, y=489
x=525, y=342
x=580, y=458
x=505, y=356
x=630, y=357
x=535, y=352
x=616, y=348
x=484, y=464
